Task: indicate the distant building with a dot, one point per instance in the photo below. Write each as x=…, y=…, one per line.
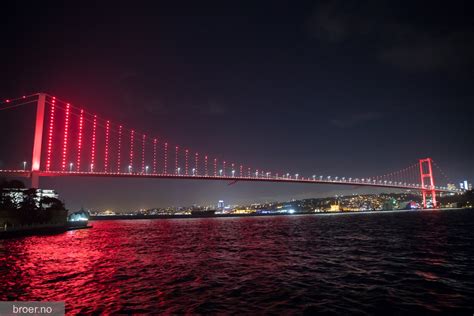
x=466, y=186
x=220, y=204
x=451, y=186
x=335, y=207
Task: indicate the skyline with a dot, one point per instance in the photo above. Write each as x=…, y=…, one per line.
x=280, y=94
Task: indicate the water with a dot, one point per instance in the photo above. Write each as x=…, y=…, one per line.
x=350, y=264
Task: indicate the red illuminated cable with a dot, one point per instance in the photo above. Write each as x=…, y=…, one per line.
x=241, y=170
x=65, y=138
x=154, y=155
x=215, y=167
x=248, y=172
x=176, y=159
x=50, y=135
x=94, y=127
x=79, y=141
x=165, y=170
x=132, y=137
x=205, y=165
x=143, y=153
x=232, y=170
x=186, y=161
x=196, y=158
x=119, y=149
x=224, y=168
x=106, y=153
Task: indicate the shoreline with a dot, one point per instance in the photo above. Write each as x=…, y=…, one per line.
x=138, y=217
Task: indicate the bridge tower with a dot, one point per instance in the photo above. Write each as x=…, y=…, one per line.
x=36, y=159
x=427, y=188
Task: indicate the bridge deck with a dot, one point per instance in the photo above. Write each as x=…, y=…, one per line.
x=27, y=174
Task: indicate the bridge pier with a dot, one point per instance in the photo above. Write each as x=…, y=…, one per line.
x=36, y=159
x=427, y=172
x=34, y=180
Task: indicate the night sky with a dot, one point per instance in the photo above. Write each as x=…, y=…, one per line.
x=344, y=88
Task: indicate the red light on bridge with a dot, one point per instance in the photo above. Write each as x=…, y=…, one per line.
x=106, y=153
x=176, y=152
x=132, y=136
x=165, y=170
x=65, y=137
x=119, y=149
x=143, y=153
x=79, y=140
x=154, y=155
x=94, y=128
x=50, y=136
x=196, y=157
x=186, y=153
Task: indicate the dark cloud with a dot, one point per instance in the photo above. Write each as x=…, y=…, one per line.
x=424, y=52
x=336, y=21
x=400, y=43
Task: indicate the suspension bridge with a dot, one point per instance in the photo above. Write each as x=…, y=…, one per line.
x=69, y=141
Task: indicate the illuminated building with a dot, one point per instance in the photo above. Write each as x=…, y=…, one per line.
x=220, y=204
x=17, y=195
x=335, y=207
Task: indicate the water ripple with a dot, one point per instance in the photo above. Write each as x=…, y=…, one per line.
x=392, y=263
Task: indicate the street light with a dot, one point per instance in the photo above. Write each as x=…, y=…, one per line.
x=70, y=166
x=24, y=165
x=268, y=174
x=296, y=176
x=220, y=172
x=314, y=177
x=146, y=169
x=129, y=169
x=233, y=173
x=194, y=171
x=179, y=170
x=92, y=167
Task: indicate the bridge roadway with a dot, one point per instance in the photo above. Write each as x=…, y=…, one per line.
x=27, y=174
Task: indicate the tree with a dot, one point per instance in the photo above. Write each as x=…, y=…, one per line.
x=12, y=184
x=29, y=200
